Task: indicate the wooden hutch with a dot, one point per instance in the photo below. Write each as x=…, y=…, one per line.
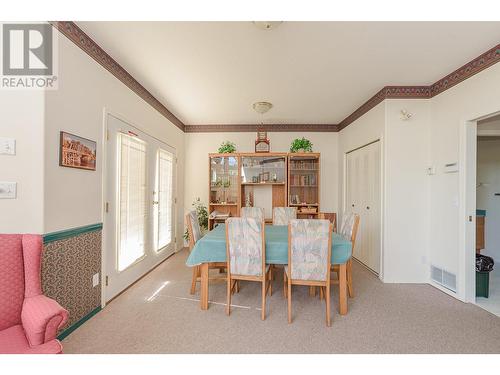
x=264, y=180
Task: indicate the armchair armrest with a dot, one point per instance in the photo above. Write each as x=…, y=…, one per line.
x=41, y=318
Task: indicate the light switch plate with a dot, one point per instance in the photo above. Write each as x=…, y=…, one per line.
x=95, y=280
x=7, y=146
x=8, y=190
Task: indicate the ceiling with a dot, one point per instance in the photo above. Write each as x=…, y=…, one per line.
x=312, y=72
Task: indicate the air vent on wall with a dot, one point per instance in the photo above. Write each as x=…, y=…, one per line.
x=444, y=278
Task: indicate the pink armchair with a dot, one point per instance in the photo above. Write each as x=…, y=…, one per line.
x=28, y=320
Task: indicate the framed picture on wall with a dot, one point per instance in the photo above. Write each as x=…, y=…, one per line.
x=77, y=152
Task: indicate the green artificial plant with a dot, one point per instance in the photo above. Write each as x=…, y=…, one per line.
x=202, y=214
x=302, y=144
x=227, y=147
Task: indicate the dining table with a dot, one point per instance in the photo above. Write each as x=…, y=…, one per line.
x=211, y=250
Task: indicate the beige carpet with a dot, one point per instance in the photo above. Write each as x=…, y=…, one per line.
x=158, y=315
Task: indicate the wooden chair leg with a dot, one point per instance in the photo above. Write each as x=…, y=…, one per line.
x=350, y=290
x=289, y=301
x=263, y=312
x=343, y=289
x=321, y=293
x=194, y=279
x=284, y=284
x=328, y=321
x=271, y=278
x=312, y=291
x=229, y=292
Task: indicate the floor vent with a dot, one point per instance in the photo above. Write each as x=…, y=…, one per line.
x=444, y=278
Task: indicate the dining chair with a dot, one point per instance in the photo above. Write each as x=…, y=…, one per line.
x=348, y=230
x=255, y=212
x=332, y=216
x=195, y=234
x=246, y=256
x=309, y=258
x=283, y=215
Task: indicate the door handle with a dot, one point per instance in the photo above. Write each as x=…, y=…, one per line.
x=352, y=205
x=155, y=202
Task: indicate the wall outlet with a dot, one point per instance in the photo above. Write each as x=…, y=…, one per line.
x=8, y=190
x=95, y=280
x=7, y=146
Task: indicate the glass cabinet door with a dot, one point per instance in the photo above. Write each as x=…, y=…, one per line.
x=304, y=184
x=224, y=180
x=263, y=170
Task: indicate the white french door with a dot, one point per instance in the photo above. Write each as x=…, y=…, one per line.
x=140, y=204
x=363, y=197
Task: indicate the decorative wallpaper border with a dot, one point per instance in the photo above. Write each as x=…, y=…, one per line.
x=216, y=128
x=83, y=41
x=480, y=63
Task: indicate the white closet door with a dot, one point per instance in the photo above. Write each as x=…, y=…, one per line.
x=363, y=198
x=372, y=208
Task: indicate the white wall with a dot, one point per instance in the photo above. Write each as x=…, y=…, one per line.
x=406, y=192
x=73, y=197
x=488, y=173
x=199, y=145
x=405, y=183
x=469, y=100
x=21, y=114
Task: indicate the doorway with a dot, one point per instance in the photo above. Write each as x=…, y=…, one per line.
x=363, y=197
x=139, y=204
x=488, y=212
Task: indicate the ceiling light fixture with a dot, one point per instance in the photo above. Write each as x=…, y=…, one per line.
x=262, y=107
x=267, y=25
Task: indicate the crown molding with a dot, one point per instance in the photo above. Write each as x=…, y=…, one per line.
x=480, y=63
x=487, y=59
x=82, y=40
x=220, y=128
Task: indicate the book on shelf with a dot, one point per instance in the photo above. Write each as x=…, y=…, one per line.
x=303, y=180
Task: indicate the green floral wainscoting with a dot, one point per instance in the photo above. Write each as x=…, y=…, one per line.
x=69, y=261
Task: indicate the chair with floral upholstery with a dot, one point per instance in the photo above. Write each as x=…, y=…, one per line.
x=283, y=215
x=309, y=258
x=349, y=230
x=255, y=212
x=246, y=256
x=195, y=234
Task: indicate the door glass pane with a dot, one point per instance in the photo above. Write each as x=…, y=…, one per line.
x=163, y=211
x=132, y=200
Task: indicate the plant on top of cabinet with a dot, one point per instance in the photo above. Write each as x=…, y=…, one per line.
x=301, y=145
x=227, y=147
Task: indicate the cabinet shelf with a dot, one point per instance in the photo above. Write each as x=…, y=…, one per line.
x=262, y=183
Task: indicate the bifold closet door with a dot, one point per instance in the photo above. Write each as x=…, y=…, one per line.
x=363, y=198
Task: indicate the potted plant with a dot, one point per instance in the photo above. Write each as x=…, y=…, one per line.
x=227, y=147
x=301, y=145
x=202, y=214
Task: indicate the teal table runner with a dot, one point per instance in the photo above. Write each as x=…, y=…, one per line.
x=212, y=247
